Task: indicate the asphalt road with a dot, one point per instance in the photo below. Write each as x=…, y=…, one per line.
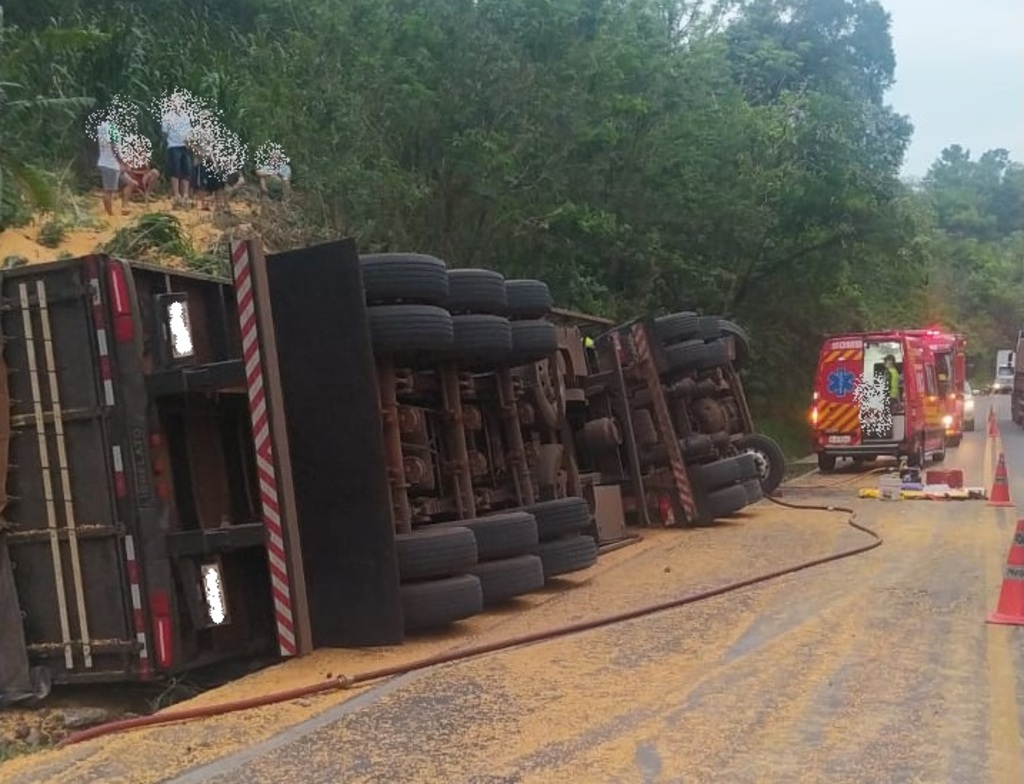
x=879, y=668
x=1012, y=439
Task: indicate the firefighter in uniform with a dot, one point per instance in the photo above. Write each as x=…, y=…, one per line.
x=590, y=353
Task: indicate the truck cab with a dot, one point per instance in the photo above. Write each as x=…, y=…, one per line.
x=861, y=411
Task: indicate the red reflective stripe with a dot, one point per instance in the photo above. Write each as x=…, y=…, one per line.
x=248, y=327
x=99, y=322
x=138, y=618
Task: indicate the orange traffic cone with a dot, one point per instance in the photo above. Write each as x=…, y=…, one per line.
x=1000, y=495
x=993, y=429
x=1010, y=610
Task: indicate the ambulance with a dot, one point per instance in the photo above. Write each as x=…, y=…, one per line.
x=861, y=412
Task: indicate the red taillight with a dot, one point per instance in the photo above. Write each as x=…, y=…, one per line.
x=160, y=608
x=120, y=303
x=814, y=415
x=668, y=517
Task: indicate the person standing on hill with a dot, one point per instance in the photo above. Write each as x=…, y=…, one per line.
x=177, y=128
x=111, y=166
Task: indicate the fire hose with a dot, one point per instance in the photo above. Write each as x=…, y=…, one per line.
x=348, y=681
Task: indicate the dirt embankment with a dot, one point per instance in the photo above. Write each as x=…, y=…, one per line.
x=86, y=226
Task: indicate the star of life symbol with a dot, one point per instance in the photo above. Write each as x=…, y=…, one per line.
x=841, y=382
x=872, y=395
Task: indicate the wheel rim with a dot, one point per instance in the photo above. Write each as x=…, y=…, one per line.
x=764, y=465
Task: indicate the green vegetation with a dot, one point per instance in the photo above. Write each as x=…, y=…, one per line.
x=151, y=236
x=51, y=234
x=639, y=155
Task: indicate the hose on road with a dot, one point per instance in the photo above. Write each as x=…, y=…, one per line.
x=448, y=657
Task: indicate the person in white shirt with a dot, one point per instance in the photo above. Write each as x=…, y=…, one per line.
x=276, y=168
x=177, y=128
x=111, y=166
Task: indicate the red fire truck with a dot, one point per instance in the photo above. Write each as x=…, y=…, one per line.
x=950, y=350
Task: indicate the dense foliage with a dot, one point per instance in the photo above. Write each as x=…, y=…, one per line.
x=639, y=155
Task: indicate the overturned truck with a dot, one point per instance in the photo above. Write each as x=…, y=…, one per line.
x=510, y=439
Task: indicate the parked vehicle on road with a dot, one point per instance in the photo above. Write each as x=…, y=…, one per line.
x=949, y=350
x=1017, y=385
x=862, y=410
x=1002, y=383
x=969, y=406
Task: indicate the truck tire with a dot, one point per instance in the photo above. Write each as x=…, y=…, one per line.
x=740, y=340
x=771, y=461
x=560, y=517
x=826, y=463
x=676, y=327
x=709, y=328
x=685, y=356
x=721, y=440
x=716, y=354
x=752, y=487
x=406, y=329
x=532, y=341
x=435, y=552
x=479, y=337
x=724, y=502
x=721, y=473
x=917, y=458
x=476, y=291
x=438, y=603
x=696, y=446
x=500, y=536
x=693, y=448
x=571, y=554
x=404, y=277
x=528, y=299
x=508, y=578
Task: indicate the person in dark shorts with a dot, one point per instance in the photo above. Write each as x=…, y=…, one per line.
x=177, y=128
x=206, y=183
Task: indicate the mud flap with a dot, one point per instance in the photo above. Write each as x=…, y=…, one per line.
x=339, y=470
x=15, y=683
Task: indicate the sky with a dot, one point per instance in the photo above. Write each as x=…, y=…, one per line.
x=959, y=75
